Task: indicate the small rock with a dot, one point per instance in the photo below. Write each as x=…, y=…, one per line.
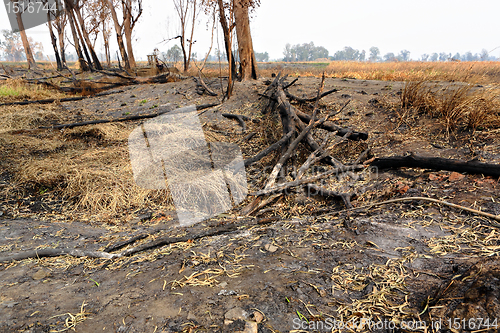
x=41, y=274
x=225, y=292
x=235, y=314
x=455, y=176
x=271, y=248
x=191, y=316
x=9, y=304
x=222, y=284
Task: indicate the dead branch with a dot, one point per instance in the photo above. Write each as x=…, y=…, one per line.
x=202, y=83
x=449, y=204
x=220, y=230
x=436, y=163
x=43, y=253
x=285, y=186
x=310, y=99
x=268, y=150
x=130, y=118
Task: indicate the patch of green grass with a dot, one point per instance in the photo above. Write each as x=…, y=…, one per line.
x=7, y=91
x=144, y=101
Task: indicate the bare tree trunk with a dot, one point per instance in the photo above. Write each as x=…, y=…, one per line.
x=105, y=37
x=87, y=55
x=191, y=38
x=24, y=38
x=60, y=23
x=119, y=35
x=227, y=39
x=54, y=44
x=83, y=65
x=128, y=39
x=61, y=46
x=248, y=63
x=53, y=40
x=86, y=38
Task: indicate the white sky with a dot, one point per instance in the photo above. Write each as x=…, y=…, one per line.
x=423, y=26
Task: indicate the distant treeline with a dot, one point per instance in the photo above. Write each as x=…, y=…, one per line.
x=310, y=52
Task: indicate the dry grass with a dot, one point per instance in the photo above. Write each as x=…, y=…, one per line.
x=88, y=166
x=457, y=106
x=17, y=89
x=470, y=72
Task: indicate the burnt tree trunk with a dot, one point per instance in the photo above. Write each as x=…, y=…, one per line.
x=226, y=29
x=119, y=35
x=83, y=65
x=24, y=38
x=53, y=40
x=248, y=63
x=127, y=29
x=86, y=38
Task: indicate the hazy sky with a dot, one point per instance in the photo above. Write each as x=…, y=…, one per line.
x=423, y=26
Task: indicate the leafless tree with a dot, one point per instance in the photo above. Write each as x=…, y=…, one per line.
x=131, y=11
x=27, y=49
x=187, y=12
x=50, y=17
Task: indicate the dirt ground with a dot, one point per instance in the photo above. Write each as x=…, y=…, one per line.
x=303, y=268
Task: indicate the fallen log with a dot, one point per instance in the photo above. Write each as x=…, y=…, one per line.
x=130, y=118
x=67, y=99
x=436, y=163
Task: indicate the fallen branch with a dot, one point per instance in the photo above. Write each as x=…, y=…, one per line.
x=449, y=204
x=329, y=126
x=143, y=247
x=240, y=118
x=436, y=163
x=202, y=83
x=130, y=118
x=44, y=253
x=285, y=186
x=268, y=150
x=311, y=99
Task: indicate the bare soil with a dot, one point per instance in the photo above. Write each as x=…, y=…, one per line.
x=399, y=262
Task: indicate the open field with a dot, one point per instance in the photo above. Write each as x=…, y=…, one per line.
x=478, y=72
x=299, y=260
